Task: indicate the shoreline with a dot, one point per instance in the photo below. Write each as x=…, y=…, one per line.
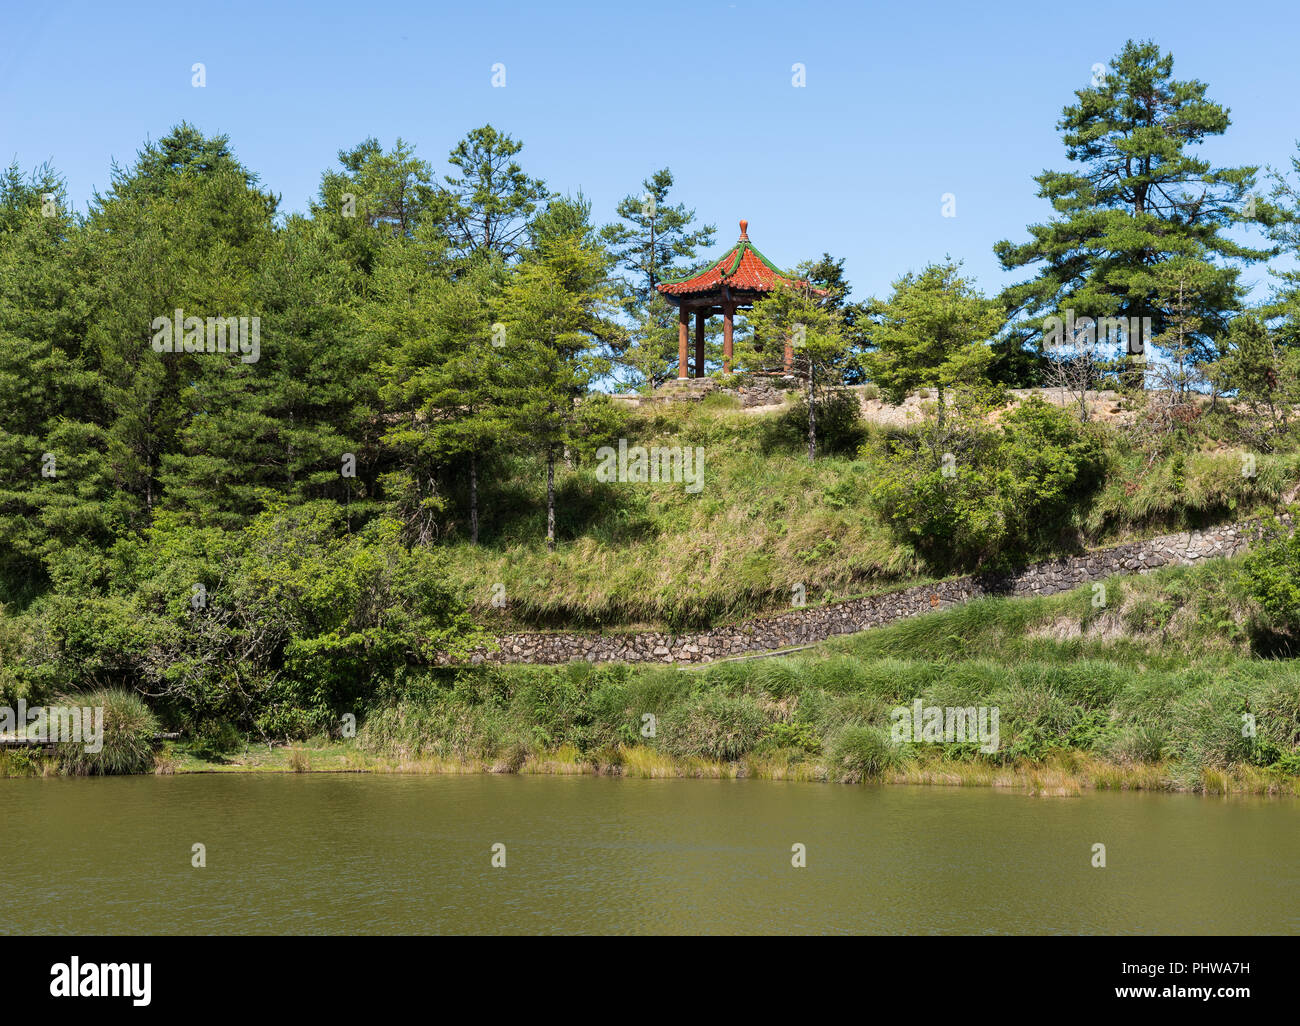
x=1066, y=774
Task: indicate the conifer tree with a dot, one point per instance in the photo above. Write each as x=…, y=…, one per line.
x=492, y=200
x=1283, y=219
x=443, y=386
x=1137, y=198
x=932, y=332
x=556, y=309
x=55, y=481
x=653, y=242
x=799, y=316
x=183, y=228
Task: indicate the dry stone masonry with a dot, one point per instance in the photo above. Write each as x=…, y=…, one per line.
x=817, y=623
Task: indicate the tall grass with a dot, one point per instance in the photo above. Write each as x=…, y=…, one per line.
x=767, y=521
x=128, y=741
x=865, y=753
x=1070, y=681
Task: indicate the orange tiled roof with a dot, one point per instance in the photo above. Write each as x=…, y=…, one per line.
x=742, y=267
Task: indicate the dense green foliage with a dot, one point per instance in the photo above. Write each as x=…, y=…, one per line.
x=282, y=627
x=965, y=496
x=839, y=425
x=1272, y=571
x=261, y=467
x=933, y=331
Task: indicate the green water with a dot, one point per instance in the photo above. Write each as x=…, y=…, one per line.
x=412, y=854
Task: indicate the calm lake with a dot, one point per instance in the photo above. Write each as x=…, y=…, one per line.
x=319, y=853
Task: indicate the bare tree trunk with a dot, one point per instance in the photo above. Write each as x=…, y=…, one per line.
x=550, y=499
x=1134, y=371
x=812, y=417
x=473, y=499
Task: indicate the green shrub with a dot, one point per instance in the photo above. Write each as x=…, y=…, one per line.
x=1271, y=575
x=18, y=762
x=598, y=421
x=302, y=614
x=963, y=493
x=215, y=738
x=128, y=740
x=839, y=424
x=339, y=610
x=864, y=753
x=714, y=726
x=1288, y=763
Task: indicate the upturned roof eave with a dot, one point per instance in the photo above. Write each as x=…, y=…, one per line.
x=718, y=277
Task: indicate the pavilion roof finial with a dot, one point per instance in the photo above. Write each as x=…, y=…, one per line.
x=738, y=276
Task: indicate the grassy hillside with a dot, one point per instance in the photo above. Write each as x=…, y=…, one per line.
x=1149, y=691
x=766, y=520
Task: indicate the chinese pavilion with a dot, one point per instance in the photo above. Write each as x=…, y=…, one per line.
x=733, y=282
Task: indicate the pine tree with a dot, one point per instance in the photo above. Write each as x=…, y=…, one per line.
x=556, y=310
x=492, y=199
x=286, y=423
x=306, y=415
x=1283, y=220
x=443, y=388
x=180, y=229
x=378, y=196
x=796, y=315
x=175, y=234
x=932, y=332
x=1138, y=199
x=827, y=274
x=654, y=242
x=1263, y=377
x=56, y=486
x=1179, y=285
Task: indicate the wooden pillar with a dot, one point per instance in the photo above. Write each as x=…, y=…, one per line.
x=728, y=312
x=789, y=355
x=682, y=315
x=700, y=314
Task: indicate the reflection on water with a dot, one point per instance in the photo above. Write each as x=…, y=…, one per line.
x=320, y=853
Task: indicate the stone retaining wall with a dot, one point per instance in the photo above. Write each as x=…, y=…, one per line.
x=817, y=623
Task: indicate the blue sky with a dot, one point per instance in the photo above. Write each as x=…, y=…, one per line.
x=903, y=103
